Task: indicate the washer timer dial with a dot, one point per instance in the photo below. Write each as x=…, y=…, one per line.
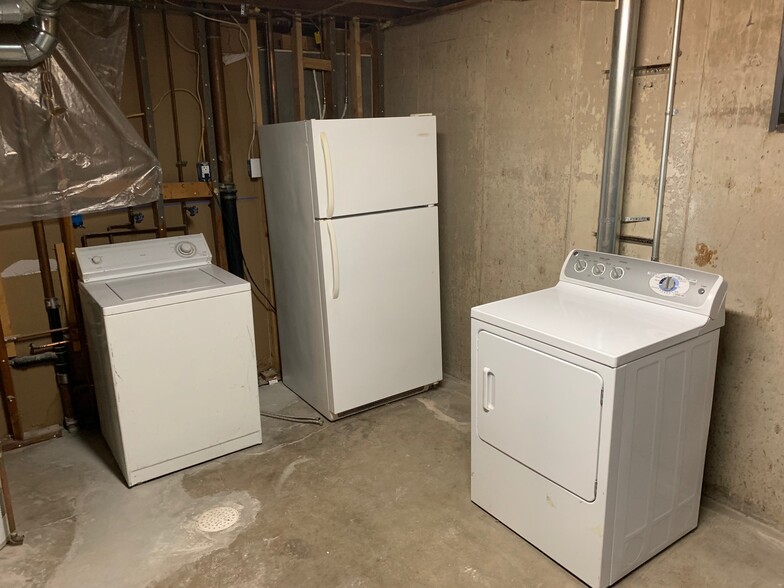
x=580, y=265
x=185, y=249
x=669, y=284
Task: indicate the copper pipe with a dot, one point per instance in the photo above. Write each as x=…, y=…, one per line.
x=35, y=349
x=34, y=336
x=13, y=537
x=220, y=109
x=43, y=262
x=170, y=73
x=271, y=69
x=111, y=234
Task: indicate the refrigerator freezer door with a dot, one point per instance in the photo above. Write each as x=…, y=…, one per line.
x=373, y=164
x=381, y=291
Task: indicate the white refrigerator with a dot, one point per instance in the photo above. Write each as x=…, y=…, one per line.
x=353, y=226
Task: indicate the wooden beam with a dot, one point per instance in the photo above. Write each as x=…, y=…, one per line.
x=64, y=276
x=5, y=321
x=33, y=437
x=415, y=18
x=10, y=405
x=355, y=68
x=317, y=64
x=255, y=70
x=187, y=191
x=378, y=71
x=298, y=68
x=389, y=4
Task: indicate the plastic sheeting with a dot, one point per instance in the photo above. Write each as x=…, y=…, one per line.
x=99, y=33
x=65, y=146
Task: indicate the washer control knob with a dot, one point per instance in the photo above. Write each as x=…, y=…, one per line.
x=616, y=273
x=185, y=249
x=668, y=283
x=580, y=265
x=598, y=269
x=96, y=259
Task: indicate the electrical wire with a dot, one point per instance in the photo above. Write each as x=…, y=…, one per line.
x=245, y=42
x=184, y=47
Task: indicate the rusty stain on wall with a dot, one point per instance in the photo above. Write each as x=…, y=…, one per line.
x=705, y=255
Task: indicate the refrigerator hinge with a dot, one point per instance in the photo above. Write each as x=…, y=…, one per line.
x=601, y=397
x=595, y=487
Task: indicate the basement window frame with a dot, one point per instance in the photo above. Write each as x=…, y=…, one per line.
x=777, y=111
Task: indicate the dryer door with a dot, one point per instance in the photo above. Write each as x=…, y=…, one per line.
x=541, y=411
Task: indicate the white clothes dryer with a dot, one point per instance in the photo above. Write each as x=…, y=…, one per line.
x=591, y=404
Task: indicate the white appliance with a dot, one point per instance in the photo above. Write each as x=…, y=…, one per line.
x=591, y=403
x=353, y=227
x=173, y=354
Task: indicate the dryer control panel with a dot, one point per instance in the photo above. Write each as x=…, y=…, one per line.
x=670, y=285
x=135, y=258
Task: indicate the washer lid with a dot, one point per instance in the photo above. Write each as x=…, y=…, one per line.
x=163, y=288
x=600, y=326
x=162, y=284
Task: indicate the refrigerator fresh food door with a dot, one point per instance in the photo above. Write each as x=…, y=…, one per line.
x=373, y=164
x=381, y=293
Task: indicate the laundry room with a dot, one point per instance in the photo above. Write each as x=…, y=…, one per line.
x=391, y=293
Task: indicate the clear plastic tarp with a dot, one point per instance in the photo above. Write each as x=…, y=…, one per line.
x=65, y=145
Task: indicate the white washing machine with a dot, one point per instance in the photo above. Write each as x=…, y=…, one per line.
x=591, y=403
x=173, y=354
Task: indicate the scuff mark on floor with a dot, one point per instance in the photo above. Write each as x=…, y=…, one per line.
x=443, y=417
x=289, y=469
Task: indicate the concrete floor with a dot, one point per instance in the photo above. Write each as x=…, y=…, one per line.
x=378, y=499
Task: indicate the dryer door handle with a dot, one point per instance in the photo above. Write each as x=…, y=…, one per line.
x=488, y=390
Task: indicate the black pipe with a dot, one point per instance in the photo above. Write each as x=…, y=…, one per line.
x=28, y=361
x=231, y=228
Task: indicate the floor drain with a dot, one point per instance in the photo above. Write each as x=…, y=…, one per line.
x=217, y=519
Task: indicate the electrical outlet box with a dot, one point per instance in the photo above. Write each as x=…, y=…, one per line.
x=203, y=171
x=254, y=168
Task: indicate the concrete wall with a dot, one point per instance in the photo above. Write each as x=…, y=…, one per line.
x=520, y=94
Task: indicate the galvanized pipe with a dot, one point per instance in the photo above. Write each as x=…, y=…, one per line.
x=668, y=114
x=616, y=138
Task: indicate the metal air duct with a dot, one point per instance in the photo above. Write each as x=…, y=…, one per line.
x=616, y=138
x=17, y=11
x=26, y=43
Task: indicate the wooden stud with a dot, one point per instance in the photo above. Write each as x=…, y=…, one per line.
x=221, y=260
x=355, y=69
x=10, y=405
x=298, y=68
x=5, y=319
x=255, y=70
x=378, y=71
x=64, y=276
x=328, y=51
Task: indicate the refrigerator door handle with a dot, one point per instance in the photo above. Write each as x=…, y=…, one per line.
x=333, y=246
x=328, y=168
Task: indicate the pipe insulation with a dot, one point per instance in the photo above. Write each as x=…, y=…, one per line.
x=24, y=45
x=616, y=138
